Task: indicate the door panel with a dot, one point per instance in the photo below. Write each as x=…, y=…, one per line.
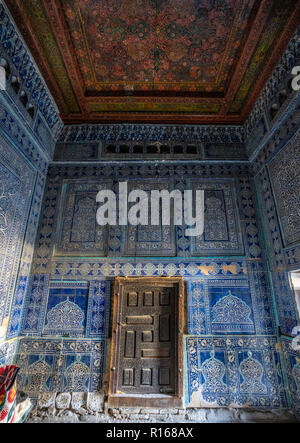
x=147, y=348
x=147, y=321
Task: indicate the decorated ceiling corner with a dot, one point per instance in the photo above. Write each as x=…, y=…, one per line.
x=156, y=61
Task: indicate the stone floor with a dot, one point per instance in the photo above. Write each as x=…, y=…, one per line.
x=81, y=407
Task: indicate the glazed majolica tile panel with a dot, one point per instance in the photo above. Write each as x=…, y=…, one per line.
x=233, y=371
x=284, y=172
x=60, y=365
x=230, y=305
x=17, y=180
x=67, y=308
x=66, y=208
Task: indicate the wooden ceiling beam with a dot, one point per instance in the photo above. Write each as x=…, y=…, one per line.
x=155, y=118
x=283, y=41
x=59, y=28
x=257, y=28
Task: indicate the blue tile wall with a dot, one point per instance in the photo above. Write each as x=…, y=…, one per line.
x=22, y=192
x=246, y=306
x=233, y=371
x=99, y=309
x=86, y=304
x=234, y=298
x=228, y=308
x=66, y=309
x=149, y=240
x=285, y=303
x=77, y=229
x=57, y=228
x=17, y=180
x=220, y=306
x=277, y=174
x=60, y=365
x=222, y=228
x=292, y=256
x=260, y=125
x=283, y=131
x=26, y=258
x=284, y=171
x=27, y=144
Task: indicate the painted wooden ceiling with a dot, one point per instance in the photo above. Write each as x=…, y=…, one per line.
x=158, y=61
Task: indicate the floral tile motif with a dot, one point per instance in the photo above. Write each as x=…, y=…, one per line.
x=233, y=371
x=27, y=144
x=59, y=235
x=286, y=126
x=123, y=267
x=35, y=304
x=77, y=230
x=150, y=240
x=285, y=177
x=230, y=306
x=16, y=185
x=292, y=256
x=25, y=260
x=285, y=303
x=98, y=309
x=256, y=127
x=222, y=231
x=59, y=365
x=97, y=275
x=66, y=309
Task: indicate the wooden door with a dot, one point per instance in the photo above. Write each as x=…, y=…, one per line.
x=147, y=342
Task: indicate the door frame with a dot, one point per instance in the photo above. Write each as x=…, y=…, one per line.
x=118, y=399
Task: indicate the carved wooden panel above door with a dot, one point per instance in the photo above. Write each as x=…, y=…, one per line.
x=146, y=365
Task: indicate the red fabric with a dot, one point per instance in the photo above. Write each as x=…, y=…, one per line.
x=8, y=391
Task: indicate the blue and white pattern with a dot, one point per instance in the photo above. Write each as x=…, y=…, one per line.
x=230, y=310
x=98, y=309
x=285, y=177
x=66, y=309
x=17, y=179
x=59, y=365
x=285, y=303
x=229, y=306
x=78, y=232
x=62, y=213
x=8, y=351
x=233, y=371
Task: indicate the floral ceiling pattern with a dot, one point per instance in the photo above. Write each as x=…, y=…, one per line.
x=156, y=45
x=195, y=61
